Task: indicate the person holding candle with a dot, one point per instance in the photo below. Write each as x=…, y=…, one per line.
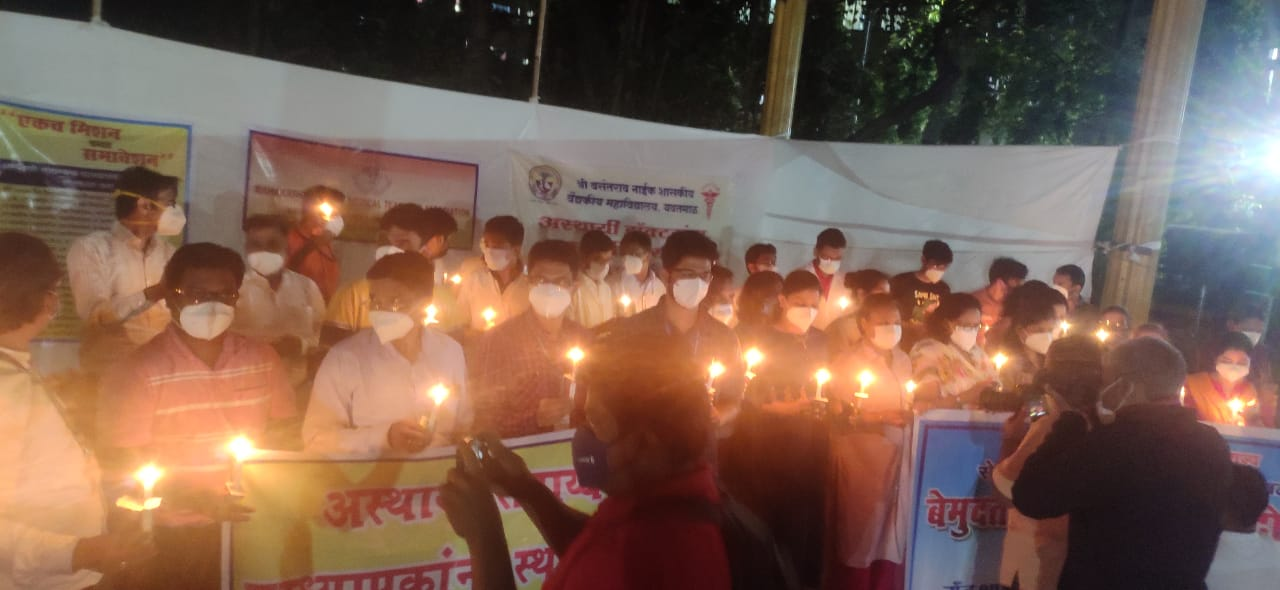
x=115, y=273
x=311, y=241
x=869, y=462
x=593, y=301
x=843, y=334
x=636, y=279
x=373, y=388
x=951, y=370
x=495, y=280
x=405, y=228
x=719, y=301
x=178, y=399
x=519, y=371
x=794, y=349
x=1031, y=294
x=1213, y=394
x=1032, y=329
x=1250, y=319
x=52, y=518
x=276, y=305
x=828, y=255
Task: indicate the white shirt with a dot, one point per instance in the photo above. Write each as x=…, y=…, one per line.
x=364, y=386
x=479, y=291
x=829, y=308
x=296, y=309
x=593, y=302
x=109, y=270
x=644, y=294
x=50, y=494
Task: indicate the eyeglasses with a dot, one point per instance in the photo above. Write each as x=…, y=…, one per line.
x=394, y=304
x=563, y=282
x=678, y=274
x=198, y=296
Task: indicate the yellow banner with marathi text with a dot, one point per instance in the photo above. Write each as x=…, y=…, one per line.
x=339, y=524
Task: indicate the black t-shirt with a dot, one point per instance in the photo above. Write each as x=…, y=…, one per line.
x=915, y=296
x=790, y=361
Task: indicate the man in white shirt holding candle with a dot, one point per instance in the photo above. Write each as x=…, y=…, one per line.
x=373, y=392
x=594, y=302
x=638, y=285
x=494, y=281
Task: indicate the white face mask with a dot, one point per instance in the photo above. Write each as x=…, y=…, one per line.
x=688, y=293
x=207, y=320
x=549, y=301
x=387, y=250
x=335, y=225
x=1063, y=290
x=1039, y=342
x=770, y=268
x=722, y=312
x=802, y=317
x=497, y=259
x=1232, y=373
x=172, y=220
x=266, y=263
x=965, y=338
x=829, y=265
x=934, y=275
x=886, y=337
x=597, y=271
x=1254, y=337
x=390, y=325
x=632, y=264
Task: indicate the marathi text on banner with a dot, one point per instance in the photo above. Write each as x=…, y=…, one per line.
x=281, y=168
x=58, y=170
x=332, y=523
x=568, y=200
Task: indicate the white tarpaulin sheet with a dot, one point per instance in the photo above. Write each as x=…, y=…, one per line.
x=1039, y=204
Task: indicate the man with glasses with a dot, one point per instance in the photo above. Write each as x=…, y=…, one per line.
x=687, y=259
x=115, y=273
x=397, y=387
x=180, y=398
x=519, y=369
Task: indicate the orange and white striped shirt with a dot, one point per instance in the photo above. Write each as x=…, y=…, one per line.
x=166, y=401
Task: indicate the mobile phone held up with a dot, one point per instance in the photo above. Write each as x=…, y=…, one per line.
x=477, y=449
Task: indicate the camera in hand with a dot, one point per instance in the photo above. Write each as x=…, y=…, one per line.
x=478, y=449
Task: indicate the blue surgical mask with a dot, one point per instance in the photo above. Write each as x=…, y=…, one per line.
x=590, y=458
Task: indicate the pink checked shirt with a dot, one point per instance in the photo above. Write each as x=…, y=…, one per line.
x=164, y=400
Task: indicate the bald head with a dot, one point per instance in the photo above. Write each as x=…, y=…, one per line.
x=1154, y=366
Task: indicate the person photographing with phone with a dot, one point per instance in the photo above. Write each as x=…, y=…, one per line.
x=644, y=443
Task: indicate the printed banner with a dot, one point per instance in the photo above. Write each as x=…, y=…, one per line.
x=281, y=168
x=568, y=200
x=57, y=172
x=378, y=524
x=958, y=519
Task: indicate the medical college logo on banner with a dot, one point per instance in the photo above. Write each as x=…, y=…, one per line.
x=544, y=183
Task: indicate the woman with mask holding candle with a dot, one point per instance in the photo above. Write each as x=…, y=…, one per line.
x=843, y=333
x=868, y=460
x=793, y=349
x=951, y=370
x=1033, y=327
x=1225, y=395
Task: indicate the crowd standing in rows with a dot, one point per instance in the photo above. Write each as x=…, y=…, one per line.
x=792, y=396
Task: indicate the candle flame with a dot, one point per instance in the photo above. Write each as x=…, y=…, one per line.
x=999, y=360
x=753, y=357
x=431, y=318
x=576, y=355
x=438, y=394
x=866, y=378
x=456, y=279
x=1065, y=326
x=716, y=369
x=326, y=210
x=822, y=376
x=1102, y=334
x=625, y=301
x=910, y=386
x=844, y=303
x=241, y=448
x=148, y=475
x=489, y=315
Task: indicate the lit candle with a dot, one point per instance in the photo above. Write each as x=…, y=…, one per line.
x=1064, y=327
x=625, y=302
x=865, y=379
x=240, y=448
x=326, y=211
x=844, y=303
x=822, y=377
x=910, y=388
x=489, y=316
x=1237, y=405
x=575, y=355
x=456, y=279
x=438, y=394
x=999, y=360
x=148, y=475
x=714, y=372
x=431, y=318
x=752, y=358
x=1182, y=396
x=1102, y=334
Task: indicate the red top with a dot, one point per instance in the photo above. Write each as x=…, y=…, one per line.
x=318, y=263
x=823, y=278
x=638, y=543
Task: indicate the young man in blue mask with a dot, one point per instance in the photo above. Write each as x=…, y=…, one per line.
x=644, y=443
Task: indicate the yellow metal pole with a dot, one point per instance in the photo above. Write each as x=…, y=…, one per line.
x=1152, y=153
x=784, y=63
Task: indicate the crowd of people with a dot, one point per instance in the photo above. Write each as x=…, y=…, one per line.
x=790, y=397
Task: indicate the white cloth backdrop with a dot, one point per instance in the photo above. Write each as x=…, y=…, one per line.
x=1040, y=204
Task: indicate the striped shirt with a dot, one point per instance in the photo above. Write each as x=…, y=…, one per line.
x=167, y=402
